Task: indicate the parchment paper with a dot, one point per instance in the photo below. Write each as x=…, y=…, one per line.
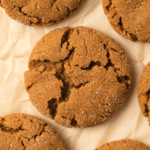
x=16, y=44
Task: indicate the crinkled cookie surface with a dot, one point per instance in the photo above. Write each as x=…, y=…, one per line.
x=77, y=76
x=130, y=18
x=25, y=132
x=144, y=92
x=124, y=145
x=40, y=12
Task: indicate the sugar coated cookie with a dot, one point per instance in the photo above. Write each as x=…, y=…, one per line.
x=144, y=92
x=124, y=145
x=77, y=76
x=40, y=12
x=25, y=132
x=130, y=18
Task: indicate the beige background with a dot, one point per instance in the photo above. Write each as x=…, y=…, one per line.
x=16, y=44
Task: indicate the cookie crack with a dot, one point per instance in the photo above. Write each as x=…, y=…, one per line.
x=109, y=63
x=109, y=5
x=39, y=20
x=23, y=145
x=147, y=110
x=74, y=122
x=92, y=65
x=84, y=43
x=57, y=8
x=80, y=85
x=53, y=3
x=65, y=38
x=132, y=36
x=35, y=136
x=30, y=86
x=121, y=79
x=10, y=130
x=124, y=79
x=68, y=10
x=52, y=106
x=65, y=90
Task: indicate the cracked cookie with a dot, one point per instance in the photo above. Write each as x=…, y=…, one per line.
x=130, y=18
x=25, y=132
x=40, y=12
x=124, y=145
x=77, y=76
x=144, y=92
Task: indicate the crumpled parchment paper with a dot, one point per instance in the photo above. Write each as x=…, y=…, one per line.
x=16, y=44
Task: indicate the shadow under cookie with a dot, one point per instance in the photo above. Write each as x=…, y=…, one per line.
x=77, y=76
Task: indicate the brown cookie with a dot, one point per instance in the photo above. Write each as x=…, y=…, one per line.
x=40, y=12
x=77, y=76
x=124, y=145
x=144, y=92
x=25, y=132
x=130, y=18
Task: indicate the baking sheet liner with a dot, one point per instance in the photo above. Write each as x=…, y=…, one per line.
x=16, y=44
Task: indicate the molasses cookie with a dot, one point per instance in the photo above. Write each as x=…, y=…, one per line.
x=77, y=76
x=124, y=145
x=130, y=18
x=144, y=92
x=24, y=132
x=40, y=12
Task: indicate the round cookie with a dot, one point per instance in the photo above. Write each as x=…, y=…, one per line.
x=40, y=12
x=77, y=76
x=25, y=132
x=124, y=145
x=144, y=92
x=130, y=18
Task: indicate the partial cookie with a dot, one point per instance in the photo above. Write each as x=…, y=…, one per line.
x=144, y=92
x=25, y=132
x=129, y=18
x=77, y=76
x=40, y=12
x=124, y=145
